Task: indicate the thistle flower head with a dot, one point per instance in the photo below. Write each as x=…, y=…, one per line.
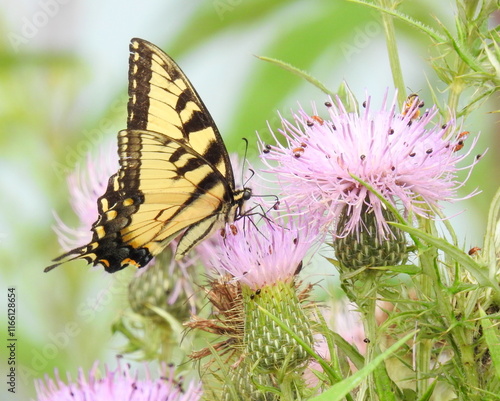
x=262, y=256
x=265, y=261
x=117, y=385
x=167, y=284
x=408, y=160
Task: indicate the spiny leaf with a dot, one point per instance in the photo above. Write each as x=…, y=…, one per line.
x=457, y=254
x=417, y=24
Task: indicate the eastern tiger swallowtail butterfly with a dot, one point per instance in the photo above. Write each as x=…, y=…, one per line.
x=175, y=175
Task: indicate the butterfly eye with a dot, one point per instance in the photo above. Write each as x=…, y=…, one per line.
x=247, y=194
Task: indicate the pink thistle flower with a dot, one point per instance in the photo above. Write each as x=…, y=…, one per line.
x=117, y=385
x=263, y=256
x=408, y=160
x=264, y=261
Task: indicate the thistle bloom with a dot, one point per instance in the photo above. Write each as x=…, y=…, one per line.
x=408, y=160
x=264, y=256
x=117, y=385
x=86, y=184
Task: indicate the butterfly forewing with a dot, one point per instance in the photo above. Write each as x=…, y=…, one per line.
x=163, y=100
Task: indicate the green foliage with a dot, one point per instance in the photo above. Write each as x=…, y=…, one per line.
x=467, y=59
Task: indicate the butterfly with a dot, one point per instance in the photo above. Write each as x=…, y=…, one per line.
x=175, y=177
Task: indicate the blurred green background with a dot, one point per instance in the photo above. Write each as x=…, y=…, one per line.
x=63, y=80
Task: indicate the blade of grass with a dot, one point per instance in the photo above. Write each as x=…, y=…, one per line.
x=338, y=391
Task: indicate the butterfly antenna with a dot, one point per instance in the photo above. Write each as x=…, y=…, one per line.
x=249, y=178
x=244, y=162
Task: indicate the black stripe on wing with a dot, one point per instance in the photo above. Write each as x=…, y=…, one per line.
x=130, y=145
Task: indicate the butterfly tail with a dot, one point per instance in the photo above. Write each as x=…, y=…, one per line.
x=79, y=253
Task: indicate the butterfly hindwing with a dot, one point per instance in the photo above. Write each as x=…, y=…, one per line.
x=175, y=175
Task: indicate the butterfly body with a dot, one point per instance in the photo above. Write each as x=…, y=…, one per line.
x=175, y=175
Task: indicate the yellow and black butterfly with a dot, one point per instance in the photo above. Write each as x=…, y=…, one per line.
x=175, y=175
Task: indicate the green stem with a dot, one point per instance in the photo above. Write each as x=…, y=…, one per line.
x=457, y=86
x=431, y=291
x=367, y=299
x=392, y=50
x=423, y=348
x=428, y=283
